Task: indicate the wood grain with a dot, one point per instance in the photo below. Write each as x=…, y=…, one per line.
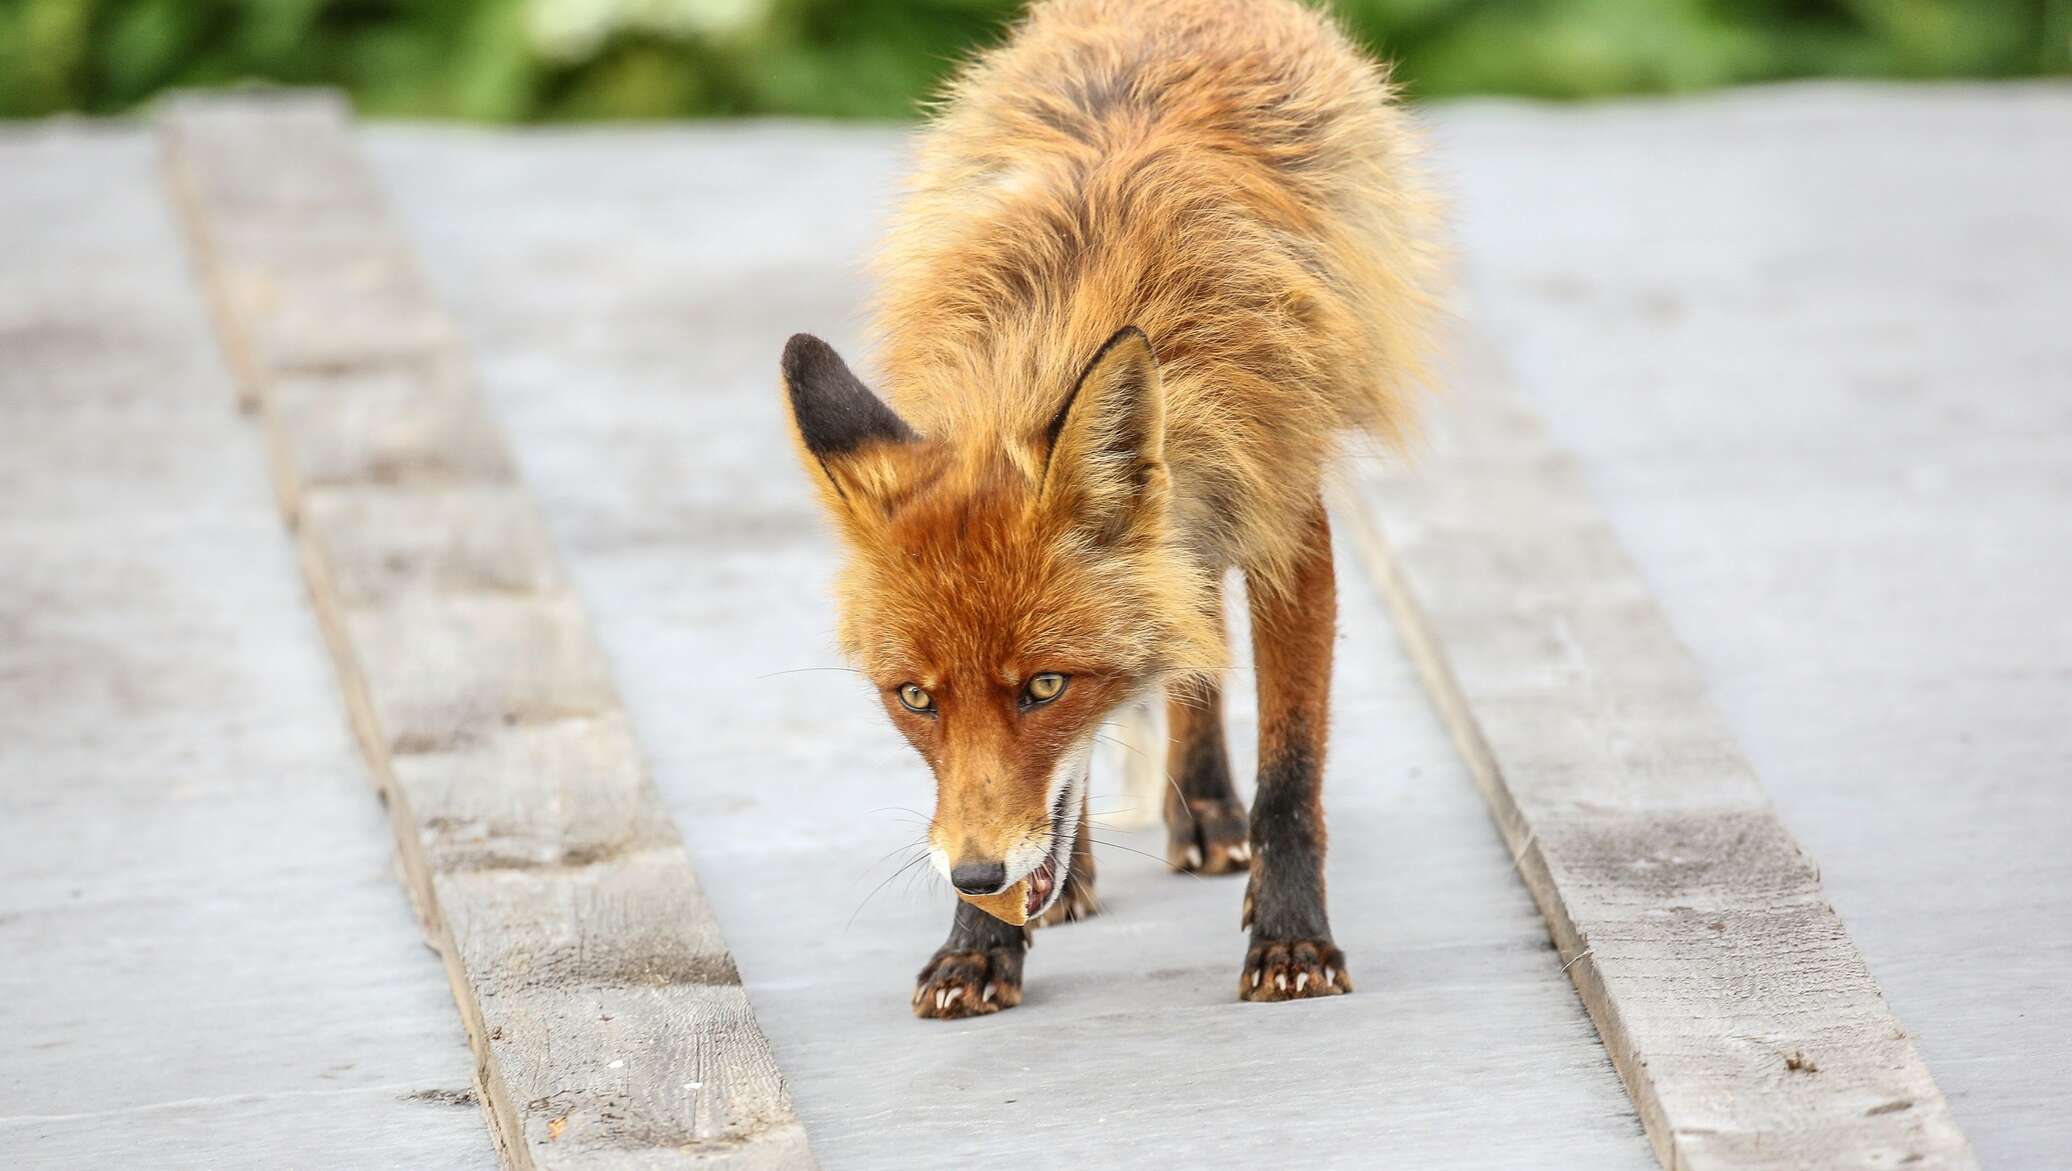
x=205, y=959
x=608, y=1022
x=1743, y=1021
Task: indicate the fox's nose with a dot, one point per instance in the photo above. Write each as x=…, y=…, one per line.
x=978, y=878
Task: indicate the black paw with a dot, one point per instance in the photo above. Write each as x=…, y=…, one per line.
x=958, y=984
x=1293, y=969
x=1209, y=837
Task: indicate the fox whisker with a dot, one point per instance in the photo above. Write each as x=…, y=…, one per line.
x=906, y=866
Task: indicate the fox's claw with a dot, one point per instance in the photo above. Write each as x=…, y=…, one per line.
x=1295, y=969
x=1210, y=838
x=958, y=984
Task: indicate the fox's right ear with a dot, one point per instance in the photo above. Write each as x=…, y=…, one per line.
x=1106, y=468
x=849, y=435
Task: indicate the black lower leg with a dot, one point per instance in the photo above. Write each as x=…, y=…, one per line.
x=1198, y=760
x=977, y=970
x=1205, y=822
x=1286, y=896
x=1293, y=627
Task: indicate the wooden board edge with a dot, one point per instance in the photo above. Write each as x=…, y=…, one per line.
x=506, y=1127
x=781, y=1140
x=1421, y=644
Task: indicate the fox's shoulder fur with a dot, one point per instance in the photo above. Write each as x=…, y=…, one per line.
x=1230, y=176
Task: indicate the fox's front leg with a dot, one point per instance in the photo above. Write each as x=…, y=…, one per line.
x=1291, y=954
x=977, y=970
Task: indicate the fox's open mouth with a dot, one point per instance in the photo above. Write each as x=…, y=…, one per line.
x=1043, y=882
x=1049, y=876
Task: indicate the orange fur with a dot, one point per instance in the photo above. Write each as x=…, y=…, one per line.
x=1229, y=177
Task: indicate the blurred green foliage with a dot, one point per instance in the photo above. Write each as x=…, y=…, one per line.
x=515, y=60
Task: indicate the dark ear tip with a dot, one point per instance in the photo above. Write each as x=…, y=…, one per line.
x=1120, y=338
x=834, y=410
x=805, y=353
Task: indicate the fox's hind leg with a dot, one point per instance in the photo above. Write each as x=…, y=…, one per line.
x=1205, y=822
x=1291, y=954
x=977, y=970
x=1077, y=900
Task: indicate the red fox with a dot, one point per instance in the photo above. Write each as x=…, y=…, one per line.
x=1156, y=258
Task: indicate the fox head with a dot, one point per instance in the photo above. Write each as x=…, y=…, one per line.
x=1005, y=593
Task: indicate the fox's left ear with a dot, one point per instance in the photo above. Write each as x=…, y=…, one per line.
x=1107, y=443
x=846, y=430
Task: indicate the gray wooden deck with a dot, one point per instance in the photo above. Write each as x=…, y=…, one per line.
x=1813, y=348
x=1809, y=345
x=629, y=355
x=631, y=361
x=205, y=957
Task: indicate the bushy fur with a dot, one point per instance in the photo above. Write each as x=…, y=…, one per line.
x=1231, y=177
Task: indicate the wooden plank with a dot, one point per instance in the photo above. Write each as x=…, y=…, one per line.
x=1855, y=518
x=1743, y=1021
x=205, y=960
x=405, y=424
x=607, y=1018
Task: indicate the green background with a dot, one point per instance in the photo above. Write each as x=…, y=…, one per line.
x=525, y=60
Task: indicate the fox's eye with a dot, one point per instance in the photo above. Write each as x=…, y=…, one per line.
x=1043, y=688
x=915, y=699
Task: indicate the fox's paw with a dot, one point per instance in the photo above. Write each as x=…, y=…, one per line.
x=1293, y=969
x=958, y=984
x=1209, y=837
x=1076, y=903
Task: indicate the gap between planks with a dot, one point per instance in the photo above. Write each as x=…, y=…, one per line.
x=608, y=1022
x=1744, y=1023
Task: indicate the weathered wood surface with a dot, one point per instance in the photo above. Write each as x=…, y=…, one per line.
x=1829, y=427
x=609, y=1024
x=205, y=960
x=1809, y=345
x=628, y=332
x=1744, y=1022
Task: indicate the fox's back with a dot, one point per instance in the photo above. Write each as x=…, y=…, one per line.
x=1228, y=175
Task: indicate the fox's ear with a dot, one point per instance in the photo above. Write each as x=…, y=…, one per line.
x=1107, y=443
x=841, y=424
